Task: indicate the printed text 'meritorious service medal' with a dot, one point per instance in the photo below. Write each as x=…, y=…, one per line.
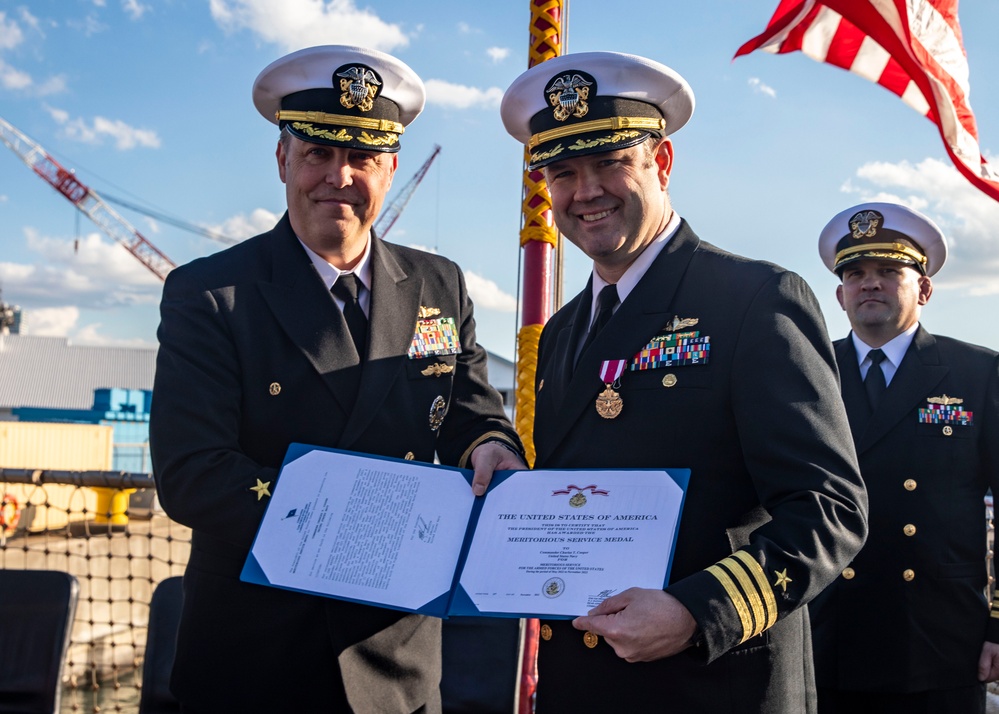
x=609, y=403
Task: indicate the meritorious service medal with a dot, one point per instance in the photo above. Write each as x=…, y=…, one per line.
x=609, y=403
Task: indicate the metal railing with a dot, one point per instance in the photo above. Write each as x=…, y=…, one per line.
x=104, y=528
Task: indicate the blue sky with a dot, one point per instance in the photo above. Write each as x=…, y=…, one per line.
x=149, y=102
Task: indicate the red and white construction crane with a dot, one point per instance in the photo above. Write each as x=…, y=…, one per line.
x=390, y=214
x=107, y=219
x=85, y=199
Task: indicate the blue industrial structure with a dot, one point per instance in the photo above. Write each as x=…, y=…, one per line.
x=125, y=410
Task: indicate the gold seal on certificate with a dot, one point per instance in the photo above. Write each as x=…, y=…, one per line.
x=609, y=402
x=422, y=542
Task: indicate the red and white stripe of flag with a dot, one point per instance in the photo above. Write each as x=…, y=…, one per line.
x=910, y=47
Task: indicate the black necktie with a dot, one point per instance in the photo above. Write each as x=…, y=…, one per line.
x=874, y=382
x=607, y=300
x=345, y=288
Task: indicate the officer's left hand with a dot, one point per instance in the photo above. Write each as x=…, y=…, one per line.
x=489, y=457
x=641, y=625
x=988, y=663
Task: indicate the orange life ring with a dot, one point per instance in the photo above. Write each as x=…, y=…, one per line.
x=9, y=505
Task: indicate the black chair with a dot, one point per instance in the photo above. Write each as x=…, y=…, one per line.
x=37, y=608
x=481, y=660
x=161, y=644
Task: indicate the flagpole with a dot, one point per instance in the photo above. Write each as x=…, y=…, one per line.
x=539, y=240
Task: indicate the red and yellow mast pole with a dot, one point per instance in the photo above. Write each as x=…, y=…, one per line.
x=538, y=236
x=538, y=239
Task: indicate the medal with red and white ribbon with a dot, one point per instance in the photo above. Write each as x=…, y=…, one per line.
x=609, y=403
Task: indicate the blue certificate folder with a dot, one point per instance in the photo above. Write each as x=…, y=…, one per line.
x=533, y=555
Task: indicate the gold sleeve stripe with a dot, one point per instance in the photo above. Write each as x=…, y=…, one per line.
x=737, y=600
x=463, y=461
x=753, y=601
x=994, y=613
x=763, y=586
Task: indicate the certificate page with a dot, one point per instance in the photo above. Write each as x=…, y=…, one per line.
x=381, y=531
x=560, y=542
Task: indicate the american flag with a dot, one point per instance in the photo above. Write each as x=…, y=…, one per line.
x=910, y=47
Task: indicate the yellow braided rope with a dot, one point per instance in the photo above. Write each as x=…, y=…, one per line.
x=537, y=210
x=527, y=369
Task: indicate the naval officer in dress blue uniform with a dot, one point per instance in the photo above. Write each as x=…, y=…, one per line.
x=679, y=354
x=256, y=353
x=907, y=626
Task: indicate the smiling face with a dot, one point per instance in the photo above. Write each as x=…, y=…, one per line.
x=334, y=195
x=882, y=298
x=613, y=204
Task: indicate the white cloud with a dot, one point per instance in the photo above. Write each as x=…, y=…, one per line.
x=134, y=8
x=966, y=216
x=424, y=248
x=51, y=321
x=13, y=78
x=53, y=85
x=125, y=137
x=18, y=80
x=488, y=295
x=88, y=335
x=10, y=33
x=498, y=54
x=241, y=227
x=61, y=322
x=294, y=24
x=92, y=273
x=465, y=29
x=30, y=20
x=458, y=96
x=760, y=88
x=89, y=26
x=61, y=116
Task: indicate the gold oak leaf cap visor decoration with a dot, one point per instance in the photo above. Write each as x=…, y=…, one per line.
x=593, y=102
x=883, y=231
x=339, y=95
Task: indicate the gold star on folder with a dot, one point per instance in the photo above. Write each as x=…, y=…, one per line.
x=782, y=579
x=262, y=489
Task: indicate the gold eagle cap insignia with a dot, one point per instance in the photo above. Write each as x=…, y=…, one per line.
x=426, y=312
x=679, y=323
x=945, y=400
x=437, y=369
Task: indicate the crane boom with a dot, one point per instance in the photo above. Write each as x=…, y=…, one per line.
x=390, y=214
x=85, y=199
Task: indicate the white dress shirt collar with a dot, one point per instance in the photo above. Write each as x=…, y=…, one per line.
x=636, y=271
x=330, y=273
x=894, y=350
